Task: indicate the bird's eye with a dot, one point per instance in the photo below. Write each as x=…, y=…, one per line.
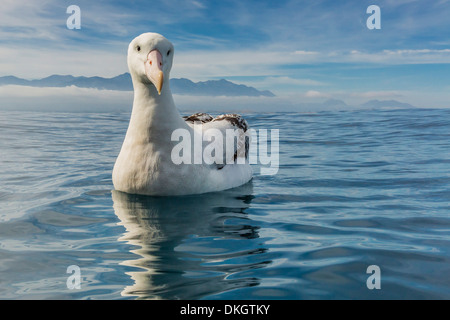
x=168, y=52
x=138, y=48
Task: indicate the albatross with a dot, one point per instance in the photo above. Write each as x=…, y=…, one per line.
x=145, y=164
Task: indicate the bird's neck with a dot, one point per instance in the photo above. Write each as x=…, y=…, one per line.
x=154, y=117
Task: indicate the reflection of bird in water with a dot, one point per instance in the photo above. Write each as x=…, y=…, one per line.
x=189, y=246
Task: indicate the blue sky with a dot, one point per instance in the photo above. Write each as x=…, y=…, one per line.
x=302, y=50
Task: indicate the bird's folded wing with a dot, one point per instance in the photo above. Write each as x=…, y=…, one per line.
x=234, y=133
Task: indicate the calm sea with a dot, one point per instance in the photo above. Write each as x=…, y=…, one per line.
x=354, y=189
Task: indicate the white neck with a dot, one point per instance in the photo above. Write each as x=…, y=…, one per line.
x=154, y=116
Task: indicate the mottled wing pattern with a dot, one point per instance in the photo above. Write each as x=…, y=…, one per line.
x=202, y=117
x=222, y=123
x=236, y=120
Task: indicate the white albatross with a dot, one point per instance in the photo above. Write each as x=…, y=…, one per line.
x=145, y=163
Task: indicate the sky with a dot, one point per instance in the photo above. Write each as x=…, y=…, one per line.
x=309, y=50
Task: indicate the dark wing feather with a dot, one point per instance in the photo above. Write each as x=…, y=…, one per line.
x=202, y=117
x=224, y=122
x=236, y=120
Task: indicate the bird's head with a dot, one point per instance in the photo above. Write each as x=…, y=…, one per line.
x=150, y=58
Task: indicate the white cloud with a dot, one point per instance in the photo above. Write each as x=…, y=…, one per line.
x=378, y=95
x=67, y=99
x=200, y=65
x=316, y=94
x=73, y=99
x=29, y=20
x=109, y=61
x=280, y=84
x=81, y=61
x=403, y=56
x=417, y=51
x=198, y=4
x=284, y=80
x=307, y=53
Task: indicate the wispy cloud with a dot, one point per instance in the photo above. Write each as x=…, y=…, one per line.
x=78, y=61
x=242, y=62
x=370, y=95
x=67, y=99
x=400, y=56
x=316, y=94
x=28, y=20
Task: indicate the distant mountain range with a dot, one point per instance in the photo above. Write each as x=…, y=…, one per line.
x=216, y=88
x=375, y=104
x=123, y=83
x=335, y=104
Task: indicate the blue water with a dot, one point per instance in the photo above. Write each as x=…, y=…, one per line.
x=354, y=189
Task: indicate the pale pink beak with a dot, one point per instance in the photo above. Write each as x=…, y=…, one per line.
x=153, y=69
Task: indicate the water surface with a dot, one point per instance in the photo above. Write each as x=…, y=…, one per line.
x=354, y=189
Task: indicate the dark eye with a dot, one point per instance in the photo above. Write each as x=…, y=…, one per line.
x=168, y=52
x=138, y=48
